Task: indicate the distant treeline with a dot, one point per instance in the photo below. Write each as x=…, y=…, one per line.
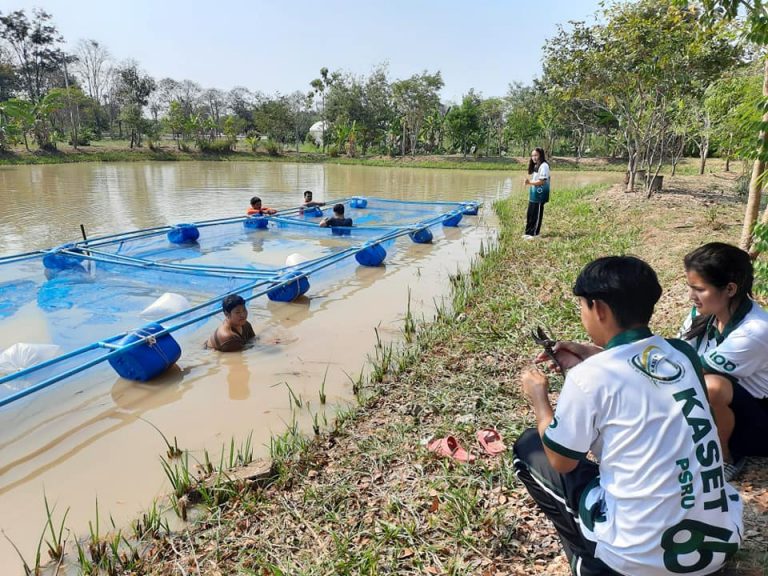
x=648, y=84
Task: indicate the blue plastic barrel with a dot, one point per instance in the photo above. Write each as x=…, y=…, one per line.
x=471, y=208
x=146, y=361
x=183, y=234
x=341, y=230
x=453, y=220
x=56, y=261
x=358, y=202
x=313, y=212
x=256, y=222
x=371, y=255
x=421, y=236
x=289, y=292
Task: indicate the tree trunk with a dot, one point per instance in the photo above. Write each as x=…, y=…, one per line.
x=756, y=182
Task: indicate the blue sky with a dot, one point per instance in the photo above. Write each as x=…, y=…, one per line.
x=280, y=46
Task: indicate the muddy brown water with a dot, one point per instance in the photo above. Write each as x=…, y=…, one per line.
x=87, y=438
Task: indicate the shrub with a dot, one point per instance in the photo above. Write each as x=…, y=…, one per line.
x=272, y=148
x=742, y=185
x=84, y=137
x=215, y=147
x=333, y=151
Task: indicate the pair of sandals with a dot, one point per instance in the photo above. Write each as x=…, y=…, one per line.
x=488, y=438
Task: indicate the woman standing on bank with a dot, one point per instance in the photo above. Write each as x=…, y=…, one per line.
x=538, y=193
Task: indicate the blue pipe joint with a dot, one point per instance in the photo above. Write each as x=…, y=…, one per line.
x=471, y=208
x=56, y=261
x=148, y=360
x=289, y=291
x=358, y=202
x=313, y=212
x=256, y=223
x=454, y=219
x=421, y=236
x=371, y=255
x=183, y=234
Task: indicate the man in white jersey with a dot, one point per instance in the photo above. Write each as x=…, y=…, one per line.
x=656, y=502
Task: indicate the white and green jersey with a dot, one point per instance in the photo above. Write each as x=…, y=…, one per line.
x=660, y=504
x=741, y=351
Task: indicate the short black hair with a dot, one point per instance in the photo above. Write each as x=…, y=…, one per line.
x=338, y=209
x=254, y=200
x=231, y=301
x=628, y=285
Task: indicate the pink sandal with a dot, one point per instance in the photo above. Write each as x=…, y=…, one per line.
x=490, y=440
x=451, y=448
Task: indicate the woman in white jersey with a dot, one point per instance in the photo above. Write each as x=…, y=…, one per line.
x=538, y=192
x=655, y=504
x=729, y=331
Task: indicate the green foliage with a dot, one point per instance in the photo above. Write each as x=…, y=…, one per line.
x=215, y=147
x=273, y=148
x=635, y=67
x=464, y=124
x=761, y=266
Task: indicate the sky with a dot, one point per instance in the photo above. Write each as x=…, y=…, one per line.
x=280, y=46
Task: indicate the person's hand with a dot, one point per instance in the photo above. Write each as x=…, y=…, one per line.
x=534, y=384
x=568, y=354
x=527, y=182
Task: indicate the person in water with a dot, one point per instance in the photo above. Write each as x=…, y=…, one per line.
x=308, y=202
x=235, y=331
x=338, y=218
x=257, y=209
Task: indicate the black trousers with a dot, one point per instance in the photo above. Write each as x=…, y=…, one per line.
x=533, y=218
x=558, y=497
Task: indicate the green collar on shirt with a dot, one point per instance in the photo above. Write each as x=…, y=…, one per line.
x=629, y=336
x=738, y=316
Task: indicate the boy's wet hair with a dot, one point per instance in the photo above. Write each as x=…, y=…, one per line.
x=255, y=200
x=628, y=286
x=231, y=301
x=338, y=209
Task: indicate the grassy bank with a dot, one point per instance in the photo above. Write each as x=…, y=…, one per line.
x=118, y=151
x=364, y=496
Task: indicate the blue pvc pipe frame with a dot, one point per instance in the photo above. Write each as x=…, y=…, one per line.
x=264, y=279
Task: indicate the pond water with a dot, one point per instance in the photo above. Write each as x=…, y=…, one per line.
x=92, y=436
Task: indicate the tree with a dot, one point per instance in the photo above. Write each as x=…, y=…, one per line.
x=754, y=29
x=94, y=68
x=733, y=102
x=241, y=101
x=34, y=45
x=133, y=90
x=320, y=86
x=634, y=67
x=522, y=125
x=464, y=123
x=415, y=98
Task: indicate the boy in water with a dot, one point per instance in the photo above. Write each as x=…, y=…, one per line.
x=656, y=502
x=257, y=209
x=235, y=331
x=338, y=218
x=308, y=202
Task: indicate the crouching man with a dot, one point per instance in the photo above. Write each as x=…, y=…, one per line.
x=655, y=503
